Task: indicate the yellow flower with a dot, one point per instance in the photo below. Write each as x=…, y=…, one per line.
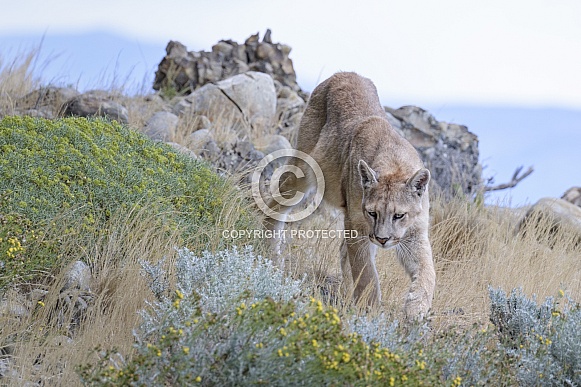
x=198, y=379
x=282, y=331
x=179, y=294
x=41, y=303
x=315, y=343
x=561, y=293
x=186, y=350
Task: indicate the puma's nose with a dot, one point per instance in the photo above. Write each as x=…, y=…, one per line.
x=381, y=240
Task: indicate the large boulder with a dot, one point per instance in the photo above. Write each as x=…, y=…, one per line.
x=550, y=217
x=95, y=103
x=185, y=71
x=161, y=126
x=243, y=102
x=449, y=151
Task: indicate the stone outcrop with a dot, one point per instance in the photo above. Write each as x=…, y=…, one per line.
x=449, y=151
x=186, y=71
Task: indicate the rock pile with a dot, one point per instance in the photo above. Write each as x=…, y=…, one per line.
x=185, y=71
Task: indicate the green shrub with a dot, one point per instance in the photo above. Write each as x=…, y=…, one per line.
x=89, y=169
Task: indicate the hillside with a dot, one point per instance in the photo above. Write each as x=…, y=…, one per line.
x=115, y=268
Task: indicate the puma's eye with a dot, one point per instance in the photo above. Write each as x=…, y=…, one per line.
x=372, y=214
x=398, y=216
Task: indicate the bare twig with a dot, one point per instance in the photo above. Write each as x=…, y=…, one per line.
x=513, y=182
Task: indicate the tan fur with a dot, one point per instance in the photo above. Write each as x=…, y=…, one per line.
x=368, y=168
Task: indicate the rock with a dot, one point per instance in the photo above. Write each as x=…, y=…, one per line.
x=95, y=103
x=42, y=112
x=549, y=216
x=161, y=126
x=61, y=341
x=185, y=72
x=449, y=151
x=272, y=143
x=46, y=102
x=289, y=107
x=211, y=151
x=573, y=196
x=245, y=102
x=13, y=309
x=78, y=277
x=196, y=122
x=198, y=139
x=182, y=149
x=5, y=367
x=180, y=105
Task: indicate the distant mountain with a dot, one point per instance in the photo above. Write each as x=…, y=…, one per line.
x=548, y=138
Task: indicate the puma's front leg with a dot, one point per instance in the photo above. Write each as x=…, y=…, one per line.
x=359, y=272
x=415, y=254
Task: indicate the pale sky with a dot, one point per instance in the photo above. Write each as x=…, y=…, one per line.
x=519, y=52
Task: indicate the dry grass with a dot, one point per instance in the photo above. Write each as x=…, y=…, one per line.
x=16, y=80
x=473, y=247
x=118, y=292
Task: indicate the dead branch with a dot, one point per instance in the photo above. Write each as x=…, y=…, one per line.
x=513, y=182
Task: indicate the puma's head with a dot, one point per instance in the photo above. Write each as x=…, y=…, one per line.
x=391, y=204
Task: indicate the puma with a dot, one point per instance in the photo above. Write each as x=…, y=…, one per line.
x=376, y=178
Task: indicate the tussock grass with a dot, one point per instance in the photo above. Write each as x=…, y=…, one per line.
x=16, y=80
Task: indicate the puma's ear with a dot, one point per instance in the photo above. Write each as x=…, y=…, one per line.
x=419, y=181
x=368, y=175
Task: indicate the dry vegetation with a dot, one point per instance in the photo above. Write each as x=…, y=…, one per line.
x=474, y=246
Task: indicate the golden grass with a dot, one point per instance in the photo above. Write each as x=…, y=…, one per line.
x=473, y=247
x=16, y=80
